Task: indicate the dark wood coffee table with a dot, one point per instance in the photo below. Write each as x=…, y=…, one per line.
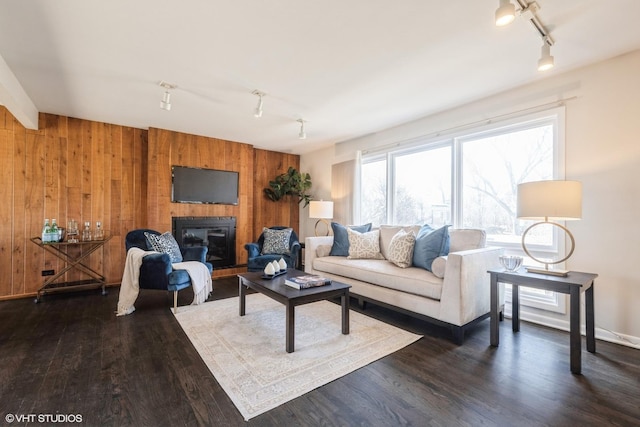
x=292, y=297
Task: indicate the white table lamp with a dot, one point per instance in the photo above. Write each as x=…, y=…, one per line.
x=323, y=211
x=546, y=201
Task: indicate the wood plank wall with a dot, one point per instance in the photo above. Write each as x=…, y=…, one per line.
x=268, y=165
x=121, y=176
x=167, y=148
x=256, y=168
x=69, y=168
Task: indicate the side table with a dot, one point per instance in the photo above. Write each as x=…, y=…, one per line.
x=573, y=285
x=73, y=259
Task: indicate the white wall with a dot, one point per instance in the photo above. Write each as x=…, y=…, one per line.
x=602, y=151
x=318, y=165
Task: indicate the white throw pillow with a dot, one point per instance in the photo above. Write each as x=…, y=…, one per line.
x=323, y=250
x=364, y=245
x=400, y=251
x=439, y=265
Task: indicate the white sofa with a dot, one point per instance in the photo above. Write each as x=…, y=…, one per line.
x=457, y=300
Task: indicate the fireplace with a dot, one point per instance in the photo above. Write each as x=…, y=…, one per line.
x=217, y=233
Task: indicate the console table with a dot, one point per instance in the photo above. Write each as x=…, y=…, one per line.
x=74, y=256
x=573, y=285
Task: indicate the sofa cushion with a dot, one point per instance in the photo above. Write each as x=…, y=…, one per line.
x=364, y=245
x=412, y=280
x=388, y=231
x=466, y=239
x=276, y=241
x=430, y=244
x=164, y=243
x=340, y=245
x=400, y=250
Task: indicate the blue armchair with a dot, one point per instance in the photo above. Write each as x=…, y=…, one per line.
x=257, y=261
x=156, y=271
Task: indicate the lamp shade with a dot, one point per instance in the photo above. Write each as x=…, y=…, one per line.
x=559, y=200
x=321, y=209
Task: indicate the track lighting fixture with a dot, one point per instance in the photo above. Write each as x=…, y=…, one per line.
x=258, y=111
x=165, y=104
x=302, y=134
x=506, y=13
x=546, y=60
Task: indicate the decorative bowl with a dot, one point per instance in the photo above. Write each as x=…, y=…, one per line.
x=511, y=262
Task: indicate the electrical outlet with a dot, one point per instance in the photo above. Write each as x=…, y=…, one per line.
x=48, y=272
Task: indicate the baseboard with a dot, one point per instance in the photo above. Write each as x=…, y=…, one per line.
x=601, y=334
x=219, y=273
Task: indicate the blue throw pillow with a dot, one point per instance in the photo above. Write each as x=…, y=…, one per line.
x=341, y=238
x=430, y=244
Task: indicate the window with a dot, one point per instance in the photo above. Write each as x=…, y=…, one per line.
x=420, y=181
x=373, y=201
x=492, y=167
x=422, y=186
x=470, y=181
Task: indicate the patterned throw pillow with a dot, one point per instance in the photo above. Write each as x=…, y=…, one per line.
x=166, y=244
x=340, y=245
x=276, y=241
x=364, y=245
x=400, y=250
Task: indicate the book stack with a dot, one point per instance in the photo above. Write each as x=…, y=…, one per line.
x=305, y=282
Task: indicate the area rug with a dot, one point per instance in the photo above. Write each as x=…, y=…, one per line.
x=247, y=354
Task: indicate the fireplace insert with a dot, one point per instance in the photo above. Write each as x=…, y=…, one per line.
x=217, y=233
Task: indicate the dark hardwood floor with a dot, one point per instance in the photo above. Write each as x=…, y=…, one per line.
x=70, y=354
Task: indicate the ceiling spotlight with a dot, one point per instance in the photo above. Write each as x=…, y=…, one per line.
x=165, y=104
x=302, y=134
x=546, y=60
x=506, y=13
x=258, y=111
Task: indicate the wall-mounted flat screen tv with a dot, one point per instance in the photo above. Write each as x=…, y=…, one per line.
x=195, y=185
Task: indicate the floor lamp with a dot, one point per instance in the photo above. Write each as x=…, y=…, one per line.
x=546, y=201
x=323, y=211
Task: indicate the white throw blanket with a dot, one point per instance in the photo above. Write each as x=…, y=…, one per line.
x=200, y=279
x=130, y=286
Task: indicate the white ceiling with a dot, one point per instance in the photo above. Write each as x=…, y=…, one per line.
x=349, y=68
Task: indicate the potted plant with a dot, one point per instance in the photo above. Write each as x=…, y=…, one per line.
x=291, y=183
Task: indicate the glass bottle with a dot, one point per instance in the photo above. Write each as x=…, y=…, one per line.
x=45, y=231
x=72, y=231
x=55, y=231
x=86, y=233
x=99, y=233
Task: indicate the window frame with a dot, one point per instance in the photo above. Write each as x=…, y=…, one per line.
x=550, y=301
